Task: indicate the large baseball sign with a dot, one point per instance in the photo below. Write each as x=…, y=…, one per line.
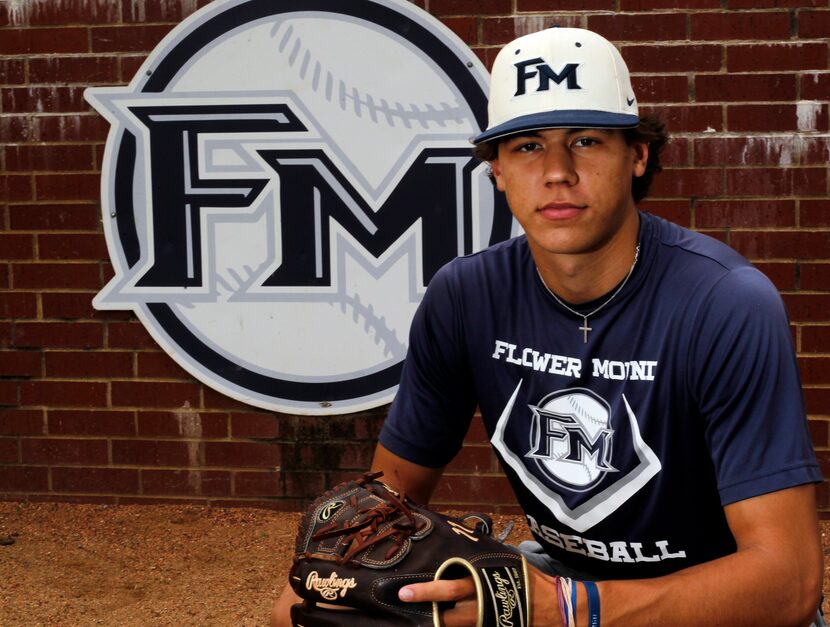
x=281, y=181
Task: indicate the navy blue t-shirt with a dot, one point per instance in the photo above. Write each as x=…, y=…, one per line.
x=623, y=450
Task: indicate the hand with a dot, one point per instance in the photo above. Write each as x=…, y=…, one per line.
x=543, y=603
x=462, y=592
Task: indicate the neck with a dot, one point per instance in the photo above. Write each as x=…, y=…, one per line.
x=582, y=277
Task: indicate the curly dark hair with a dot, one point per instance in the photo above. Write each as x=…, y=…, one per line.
x=651, y=130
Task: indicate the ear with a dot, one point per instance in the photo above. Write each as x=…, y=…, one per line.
x=495, y=168
x=640, y=152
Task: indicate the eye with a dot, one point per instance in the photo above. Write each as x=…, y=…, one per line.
x=526, y=146
x=585, y=142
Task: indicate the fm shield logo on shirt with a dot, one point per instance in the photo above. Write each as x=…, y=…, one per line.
x=281, y=181
x=569, y=463
x=571, y=438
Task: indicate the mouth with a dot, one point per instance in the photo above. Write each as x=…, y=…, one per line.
x=561, y=210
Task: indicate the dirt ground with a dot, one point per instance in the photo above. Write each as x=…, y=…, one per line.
x=69, y=564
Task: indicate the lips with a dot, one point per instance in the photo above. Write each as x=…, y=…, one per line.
x=561, y=210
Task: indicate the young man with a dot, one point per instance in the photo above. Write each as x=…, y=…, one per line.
x=637, y=380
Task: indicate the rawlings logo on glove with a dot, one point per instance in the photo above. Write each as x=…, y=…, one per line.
x=361, y=542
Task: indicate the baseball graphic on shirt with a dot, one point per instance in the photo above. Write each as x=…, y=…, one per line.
x=571, y=438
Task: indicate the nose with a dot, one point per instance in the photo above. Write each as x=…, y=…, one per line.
x=559, y=166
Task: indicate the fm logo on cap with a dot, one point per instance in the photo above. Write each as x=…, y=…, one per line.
x=545, y=75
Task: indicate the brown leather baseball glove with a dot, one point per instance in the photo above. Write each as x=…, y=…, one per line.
x=360, y=542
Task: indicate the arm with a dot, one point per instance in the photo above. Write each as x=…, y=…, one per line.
x=774, y=577
x=417, y=481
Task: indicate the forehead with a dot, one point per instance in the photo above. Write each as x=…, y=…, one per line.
x=554, y=133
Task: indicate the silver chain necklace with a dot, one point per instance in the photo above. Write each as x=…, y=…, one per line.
x=585, y=328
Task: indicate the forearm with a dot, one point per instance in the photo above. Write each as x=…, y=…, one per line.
x=746, y=588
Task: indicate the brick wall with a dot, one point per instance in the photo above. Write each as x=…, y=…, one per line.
x=92, y=410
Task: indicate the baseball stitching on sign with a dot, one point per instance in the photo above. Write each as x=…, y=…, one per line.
x=378, y=108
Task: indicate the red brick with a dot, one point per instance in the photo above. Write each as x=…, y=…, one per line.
x=814, y=24
x=302, y=484
x=49, y=158
x=127, y=38
x=643, y=27
x=815, y=85
x=52, y=99
x=808, y=308
x=72, y=306
x=63, y=451
x=129, y=335
x=23, y=479
x=15, y=187
x=498, y=30
x=817, y=400
x=60, y=334
x=12, y=72
x=64, y=13
x=56, y=275
x=5, y=333
x=744, y=87
x=473, y=459
x=159, y=365
x=677, y=211
x=88, y=70
x=781, y=244
x=675, y=153
x=154, y=394
x=355, y=455
x=465, y=27
x=21, y=422
x=9, y=451
x=674, y=183
x=74, y=246
x=23, y=41
x=743, y=25
x=63, y=394
x=458, y=489
x=130, y=65
x=759, y=150
x=68, y=186
x=762, y=117
x=781, y=274
x=89, y=422
x=819, y=432
x=759, y=182
x=69, y=128
x=688, y=118
x=186, y=482
x=182, y=424
x=88, y=365
x=242, y=454
x=814, y=213
x=809, y=181
x=83, y=217
x=760, y=57
x=673, y=58
x=15, y=246
x=248, y=425
x=175, y=12
x=470, y=7
x=263, y=484
x=815, y=277
x=95, y=480
x=564, y=5
x=759, y=4
x=20, y=363
x=15, y=128
x=814, y=150
x=745, y=214
x=156, y=453
x=643, y=5
x=661, y=88
x=212, y=399
x=18, y=305
x=815, y=370
x=815, y=339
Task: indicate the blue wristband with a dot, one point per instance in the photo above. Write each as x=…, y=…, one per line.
x=573, y=599
x=593, y=603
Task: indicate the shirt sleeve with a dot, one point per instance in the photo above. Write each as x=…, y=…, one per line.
x=749, y=389
x=436, y=398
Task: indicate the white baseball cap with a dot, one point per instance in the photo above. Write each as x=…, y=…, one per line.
x=559, y=77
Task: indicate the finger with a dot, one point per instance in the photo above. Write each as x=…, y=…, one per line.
x=438, y=591
x=464, y=614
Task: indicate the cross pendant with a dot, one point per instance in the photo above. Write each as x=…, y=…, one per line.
x=585, y=328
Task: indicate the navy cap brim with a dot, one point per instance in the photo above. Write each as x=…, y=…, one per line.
x=577, y=118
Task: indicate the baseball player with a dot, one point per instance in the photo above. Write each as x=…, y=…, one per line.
x=637, y=380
